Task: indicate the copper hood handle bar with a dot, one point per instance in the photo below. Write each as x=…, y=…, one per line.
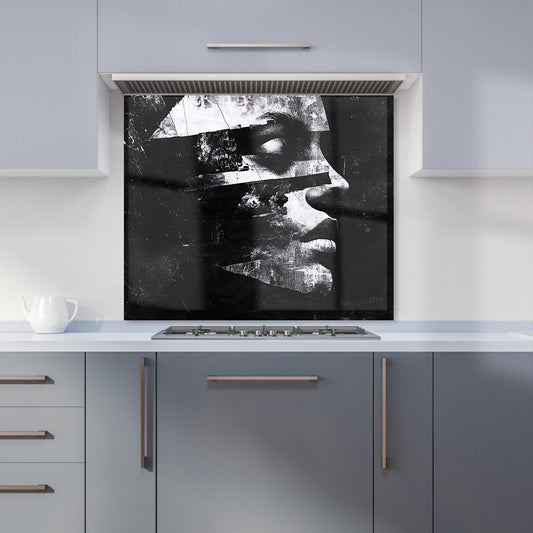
x=213, y=46
x=262, y=378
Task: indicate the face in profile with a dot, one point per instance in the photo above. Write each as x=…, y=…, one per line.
x=268, y=194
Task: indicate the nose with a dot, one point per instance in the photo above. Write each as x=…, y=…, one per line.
x=329, y=198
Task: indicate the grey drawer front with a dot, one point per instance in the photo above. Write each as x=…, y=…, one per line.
x=64, y=385
x=63, y=441
x=58, y=510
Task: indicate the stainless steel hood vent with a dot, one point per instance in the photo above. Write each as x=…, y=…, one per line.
x=374, y=84
x=258, y=87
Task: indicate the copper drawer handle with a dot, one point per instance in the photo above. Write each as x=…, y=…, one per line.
x=36, y=379
x=213, y=46
x=384, y=413
x=23, y=488
x=23, y=434
x=262, y=378
x=143, y=412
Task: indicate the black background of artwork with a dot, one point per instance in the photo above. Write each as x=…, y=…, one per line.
x=162, y=283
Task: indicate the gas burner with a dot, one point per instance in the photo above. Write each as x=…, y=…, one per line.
x=195, y=331
x=264, y=332
x=332, y=331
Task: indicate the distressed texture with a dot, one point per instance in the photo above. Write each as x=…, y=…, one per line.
x=234, y=210
x=196, y=114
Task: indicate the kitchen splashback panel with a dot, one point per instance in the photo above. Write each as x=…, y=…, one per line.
x=258, y=207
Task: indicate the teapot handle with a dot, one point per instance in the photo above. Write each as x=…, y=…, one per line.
x=75, y=304
x=25, y=307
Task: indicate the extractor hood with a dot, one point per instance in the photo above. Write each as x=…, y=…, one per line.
x=261, y=83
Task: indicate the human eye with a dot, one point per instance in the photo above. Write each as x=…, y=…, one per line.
x=273, y=149
x=275, y=146
x=272, y=139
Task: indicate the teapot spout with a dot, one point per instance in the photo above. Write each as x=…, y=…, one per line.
x=25, y=307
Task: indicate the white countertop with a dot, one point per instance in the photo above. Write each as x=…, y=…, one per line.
x=390, y=342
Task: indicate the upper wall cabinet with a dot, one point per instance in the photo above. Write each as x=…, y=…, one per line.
x=50, y=93
x=477, y=109
x=345, y=35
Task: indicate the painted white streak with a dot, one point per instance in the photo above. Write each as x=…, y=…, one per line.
x=196, y=114
x=300, y=168
x=306, y=278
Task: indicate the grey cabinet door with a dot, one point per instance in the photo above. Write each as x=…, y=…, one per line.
x=345, y=36
x=403, y=490
x=483, y=442
x=120, y=495
x=49, y=117
x=477, y=86
x=289, y=457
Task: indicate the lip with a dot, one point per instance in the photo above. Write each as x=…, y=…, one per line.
x=326, y=230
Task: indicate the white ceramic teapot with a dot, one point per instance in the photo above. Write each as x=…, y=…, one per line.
x=49, y=314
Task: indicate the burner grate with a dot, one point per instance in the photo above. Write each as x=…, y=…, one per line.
x=264, y=332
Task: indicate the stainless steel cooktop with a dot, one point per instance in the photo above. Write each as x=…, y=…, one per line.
x=264, y=332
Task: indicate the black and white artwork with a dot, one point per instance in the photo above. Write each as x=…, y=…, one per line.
x=258, y=207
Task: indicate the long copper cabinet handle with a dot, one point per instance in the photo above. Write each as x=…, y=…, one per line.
x=261, y=378
x=143, y=412
x=23, y=488
x=23, y=434
x=383, y=413
x=15, y=379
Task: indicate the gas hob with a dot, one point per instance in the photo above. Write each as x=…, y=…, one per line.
x=264, y=332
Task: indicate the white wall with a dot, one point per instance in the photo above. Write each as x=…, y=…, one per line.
x=464, y=247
